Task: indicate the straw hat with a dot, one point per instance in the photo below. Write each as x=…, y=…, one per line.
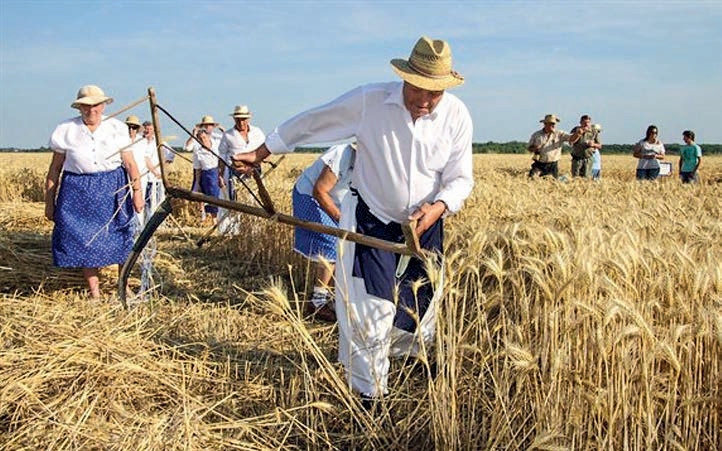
x=206, y=120
x=90, y=95
x=597, y=127
x=241, y=111
x=428, y=66
x=550, y=119
x=132, y=120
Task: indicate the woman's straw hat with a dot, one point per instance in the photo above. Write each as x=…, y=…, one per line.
x=241, y=111
x=429, y=66
x=90, y=95
x=207, y=120
x=132, y=120
x=550, y=119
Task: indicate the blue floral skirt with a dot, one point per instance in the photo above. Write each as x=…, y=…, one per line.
x=306, y=242
x=94, y=220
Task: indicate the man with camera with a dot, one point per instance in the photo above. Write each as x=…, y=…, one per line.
x=584, y=148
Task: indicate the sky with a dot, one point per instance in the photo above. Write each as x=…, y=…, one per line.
x=628, y=64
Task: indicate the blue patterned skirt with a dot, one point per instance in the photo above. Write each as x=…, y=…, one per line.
x=306, y=242
x=209, y=186
x=94, y=220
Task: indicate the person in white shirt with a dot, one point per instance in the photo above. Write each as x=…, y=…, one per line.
x=649, y=151
x=154, y=192
x=93, y=210
x=317, y=197
x=413, y=162
x=205, y=162
x=138, y=147
x=242, y=138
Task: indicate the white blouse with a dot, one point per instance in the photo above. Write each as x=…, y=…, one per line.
x=89, y=152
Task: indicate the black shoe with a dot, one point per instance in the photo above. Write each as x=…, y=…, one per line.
x=419, y=368
x=324, y=313
x=368, y=403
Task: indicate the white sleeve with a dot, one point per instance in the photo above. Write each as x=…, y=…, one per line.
x=457, y=178
x=333, y=121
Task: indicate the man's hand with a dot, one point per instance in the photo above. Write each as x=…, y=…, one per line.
x=427, y=215
x=244, y=162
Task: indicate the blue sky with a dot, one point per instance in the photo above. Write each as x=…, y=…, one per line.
x=627, y=64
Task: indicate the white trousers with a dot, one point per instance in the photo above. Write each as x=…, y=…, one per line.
x=367, y=336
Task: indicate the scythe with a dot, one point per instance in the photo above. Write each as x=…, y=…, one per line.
x=267, y=211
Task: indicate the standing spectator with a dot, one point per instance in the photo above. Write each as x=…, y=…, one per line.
x=93, y=211
x=597, y=156
x=138, y=146
x=243, y=137
x=205, y=163
x=584, y=148
x=413, y=162
x=546, y=145
x=690, y=157
x=154, y=192
x=317, y=197
x=649, y=150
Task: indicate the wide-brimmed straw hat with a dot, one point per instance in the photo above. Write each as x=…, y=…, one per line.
x=428, y=66
x=132, y=120
x=207, y=120
x=90, y=95
x=241, y=111
x=550, y=119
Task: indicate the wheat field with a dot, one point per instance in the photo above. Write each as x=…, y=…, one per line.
x=576, y=316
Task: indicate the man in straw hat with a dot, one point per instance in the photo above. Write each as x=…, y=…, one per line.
x=93, y=211
x=205, y=162
x=243, y=137
x=546, y=145
x=413, y=162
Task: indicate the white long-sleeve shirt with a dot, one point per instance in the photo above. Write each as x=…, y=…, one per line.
x=400, y=164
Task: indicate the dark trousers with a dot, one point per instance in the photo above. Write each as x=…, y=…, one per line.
x=539, y=169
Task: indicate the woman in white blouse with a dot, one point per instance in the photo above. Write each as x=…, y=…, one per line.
x=93, y=210
x=649, y=151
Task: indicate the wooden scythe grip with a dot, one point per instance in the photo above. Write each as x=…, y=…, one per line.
x=265, y=197
x=412, y=240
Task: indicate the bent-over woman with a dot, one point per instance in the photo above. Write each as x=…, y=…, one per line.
x=317, y=197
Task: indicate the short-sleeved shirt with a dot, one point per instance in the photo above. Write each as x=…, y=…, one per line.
x=550, y=144
x=233, y=143
x=151, y=152
x=339, y=159
x=89, y=152
x=650, y=149
x=581, y=149
x=596, y=160
x=689, y=155
x=203, y=159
